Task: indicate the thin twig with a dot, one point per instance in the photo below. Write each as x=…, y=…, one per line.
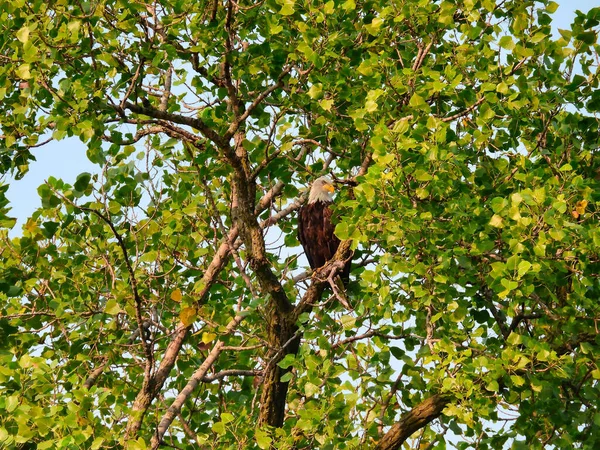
x=132, y=279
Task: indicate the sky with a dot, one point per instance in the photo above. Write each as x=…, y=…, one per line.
x=67, y=158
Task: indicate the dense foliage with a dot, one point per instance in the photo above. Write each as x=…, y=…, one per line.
x=161, y=299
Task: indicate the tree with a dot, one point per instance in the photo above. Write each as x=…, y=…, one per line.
x=161, y=300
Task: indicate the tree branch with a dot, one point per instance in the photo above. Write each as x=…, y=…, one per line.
x=417, y=418
x=132, y=282
x=198, y=124
x=257, y=101
x=93, y=376
x=198, y=376
x=220, y=259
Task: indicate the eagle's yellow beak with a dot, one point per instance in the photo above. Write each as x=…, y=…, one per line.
x=329, y=187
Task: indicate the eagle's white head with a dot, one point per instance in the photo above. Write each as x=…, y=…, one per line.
x=321, y=191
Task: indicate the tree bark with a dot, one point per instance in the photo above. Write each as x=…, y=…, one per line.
x=282, y=334
x=417, y=418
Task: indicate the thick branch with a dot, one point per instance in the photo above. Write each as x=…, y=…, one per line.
x=417, y=418
x=285, y=338
x=196, y=378
x=220, y=259
x=91, y=379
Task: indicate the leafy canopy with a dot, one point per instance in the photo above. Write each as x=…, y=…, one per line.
x=160, y=299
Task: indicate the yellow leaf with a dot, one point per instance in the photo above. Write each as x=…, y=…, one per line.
x=32, y=227
x=112, y=307
x=496, y=221
x=315, y=91
x=326, y=104
x=23, y=72
x=176, y=295
x=371, y=105
x=580, y=207
x=208, y=337
x=288, y=8
x=188, y=316
x=74, y=26
x=23, y=34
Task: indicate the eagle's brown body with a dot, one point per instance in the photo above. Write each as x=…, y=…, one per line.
x=316, y=231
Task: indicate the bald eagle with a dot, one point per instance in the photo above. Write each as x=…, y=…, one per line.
x=315, y=230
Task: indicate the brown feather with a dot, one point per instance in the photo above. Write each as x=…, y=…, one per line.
x=316, y=234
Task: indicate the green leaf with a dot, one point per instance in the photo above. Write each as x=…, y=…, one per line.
x=551, y=7
x=288, y=8
x=512, y=262
x=506, y=42
x=97, y=443
x=348, y=322
x=421, y=175
x=557, y=234
x=149, y=256
x=514, y=339
x=349, y=5
x=50, y=229
x=82, y=182
x=11, y=403
x=112, y=307
x=566, y=168
x=311, y=389
x=523, y=268
x=219, y=428
x=287, y=377
x=498, y=204
x=588, y=37
x=517, y=380
x=263, y=440
x=509, y=285
x=493, y=386
x=367, y=190
x=586, y=348
x=315, y=91
x=417, y=101
x=326, y=104
x=342, y=231
x=287, y=361
x=226, y=418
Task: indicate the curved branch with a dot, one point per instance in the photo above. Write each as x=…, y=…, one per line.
x=94, y=374
x=193, y=122
x=417, y=418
